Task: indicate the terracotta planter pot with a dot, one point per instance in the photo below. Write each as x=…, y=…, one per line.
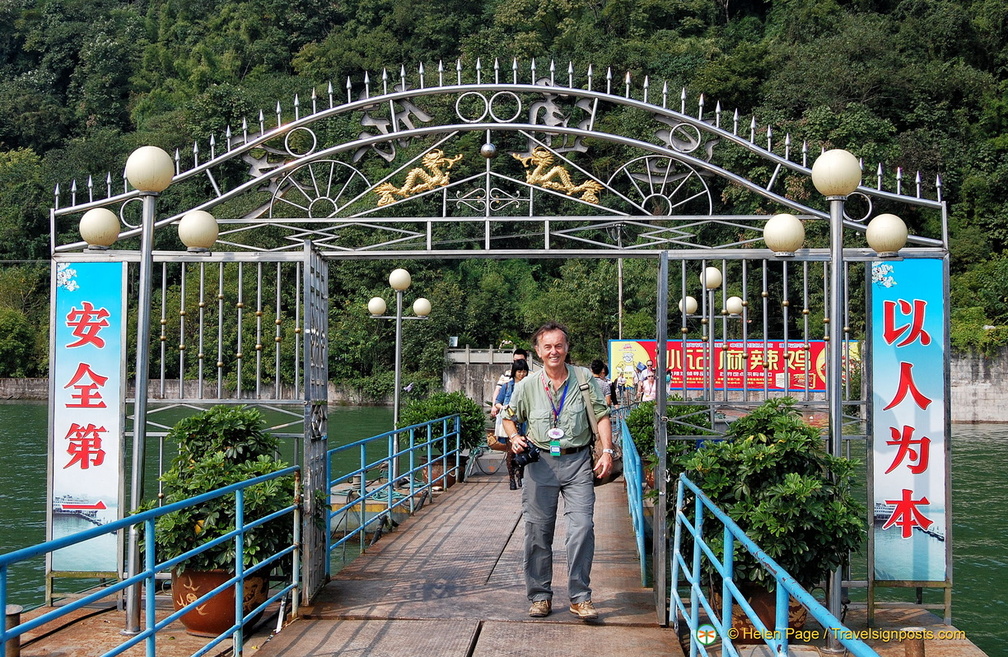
x=763, y=603
x=437, y=469
x=217, y=614
x=649, y=477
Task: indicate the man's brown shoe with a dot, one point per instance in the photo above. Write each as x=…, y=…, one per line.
x=540, y=609
x=584, y=610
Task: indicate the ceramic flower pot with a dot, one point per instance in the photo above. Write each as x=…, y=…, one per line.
x=217, y=614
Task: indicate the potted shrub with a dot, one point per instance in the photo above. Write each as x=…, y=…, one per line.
x=218, y=447
x=442, y=404
x=774, y=477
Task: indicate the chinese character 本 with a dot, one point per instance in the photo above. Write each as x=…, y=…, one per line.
x=907, y=515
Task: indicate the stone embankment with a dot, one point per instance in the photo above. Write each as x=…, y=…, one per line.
x=979, y=385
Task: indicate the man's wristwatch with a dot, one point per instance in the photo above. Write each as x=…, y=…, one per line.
x=608, y=451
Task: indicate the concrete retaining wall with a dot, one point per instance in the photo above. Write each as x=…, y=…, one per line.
x=980, y=388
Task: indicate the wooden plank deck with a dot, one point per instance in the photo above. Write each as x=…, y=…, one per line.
x=448, y=582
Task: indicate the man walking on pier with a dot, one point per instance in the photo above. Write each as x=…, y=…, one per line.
x=558, y=447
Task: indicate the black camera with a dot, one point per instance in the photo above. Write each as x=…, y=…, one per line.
x=529, y=455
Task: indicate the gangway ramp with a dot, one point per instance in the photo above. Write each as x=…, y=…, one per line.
x=448, y=582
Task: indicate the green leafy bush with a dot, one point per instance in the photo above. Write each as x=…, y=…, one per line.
x=775, y=479
x=219, y=447
x=972, y=332
x=442, y=404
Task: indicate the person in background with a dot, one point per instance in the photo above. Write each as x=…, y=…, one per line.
x=600, y=372
x=648, y=388
x=519, y=370
x=554, y=407
x=519, y=354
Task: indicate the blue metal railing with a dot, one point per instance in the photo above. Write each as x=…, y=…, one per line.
x=147, y=577
x=692, y=573
x=633, y=476
x=422, y=456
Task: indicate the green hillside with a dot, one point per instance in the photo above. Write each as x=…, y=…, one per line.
x=916, y=84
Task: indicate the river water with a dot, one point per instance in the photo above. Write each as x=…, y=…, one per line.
x=980, y=529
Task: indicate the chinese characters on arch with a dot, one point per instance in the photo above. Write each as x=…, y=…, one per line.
x=86, y=434
x=909, y=441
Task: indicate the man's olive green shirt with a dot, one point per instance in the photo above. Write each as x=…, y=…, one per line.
x=530, y=402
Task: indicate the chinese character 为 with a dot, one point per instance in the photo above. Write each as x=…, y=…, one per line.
x=85, y=445
x=907, y=385
x=907, y=515
x=86, y=323
x=87, y=394
x=904, y=439
x=913, y=330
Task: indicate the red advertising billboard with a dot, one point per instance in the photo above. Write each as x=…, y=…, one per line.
x=778, y=365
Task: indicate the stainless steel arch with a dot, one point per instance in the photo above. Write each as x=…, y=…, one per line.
x=652, y=168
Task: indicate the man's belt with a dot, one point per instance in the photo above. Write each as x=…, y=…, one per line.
x=565, y=450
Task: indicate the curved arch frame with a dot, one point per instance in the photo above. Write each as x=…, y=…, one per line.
x=542, y=114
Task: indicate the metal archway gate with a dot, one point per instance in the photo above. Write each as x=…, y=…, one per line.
x=473, y=162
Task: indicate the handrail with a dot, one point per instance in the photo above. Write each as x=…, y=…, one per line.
x=420, y=440
x=633, y=477
x=152, y=568
x=787, y=586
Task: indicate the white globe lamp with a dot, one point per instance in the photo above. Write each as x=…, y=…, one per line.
x=99, y=227
x=734, y=305
x=688, y=305
x=836, y=173
x=399, y=279
x=198, y=230
x=887, y=234
x=376, y=306
x=421, y=307
x=711, y=278
x=784, y=234
x=150, y=169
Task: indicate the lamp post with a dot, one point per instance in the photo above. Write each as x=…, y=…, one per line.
x=400, y=281
x=149, y=169
x=711, y=279
x=836, y=174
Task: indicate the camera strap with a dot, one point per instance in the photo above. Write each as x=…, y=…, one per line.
x=583, y=385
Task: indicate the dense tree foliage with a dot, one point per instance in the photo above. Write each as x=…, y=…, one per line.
x=919, y=84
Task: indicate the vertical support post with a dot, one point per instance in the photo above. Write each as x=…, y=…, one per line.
x=660, y=547
x=835, y=380
x=140, y=404
x=394, y=470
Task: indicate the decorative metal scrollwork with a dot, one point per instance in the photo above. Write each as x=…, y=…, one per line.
x=318, y=190
x=662, y=186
